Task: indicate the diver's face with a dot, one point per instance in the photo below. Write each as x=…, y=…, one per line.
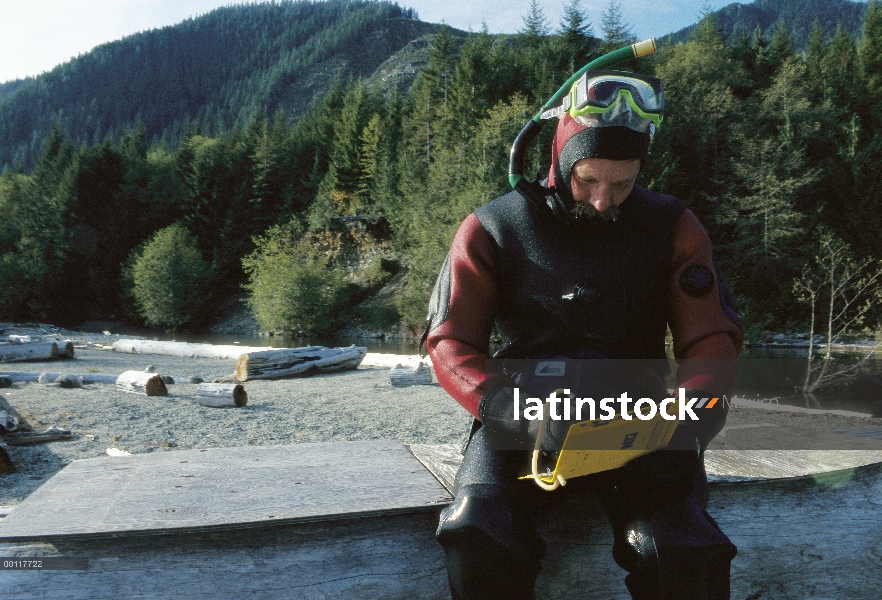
x=600, y=185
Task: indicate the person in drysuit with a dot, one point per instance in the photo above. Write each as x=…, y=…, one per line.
x=597, y=272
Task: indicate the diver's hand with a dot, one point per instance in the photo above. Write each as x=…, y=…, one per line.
x=497, y=413
x=710, y=422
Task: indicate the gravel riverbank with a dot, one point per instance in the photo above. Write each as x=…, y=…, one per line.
x=354, y=405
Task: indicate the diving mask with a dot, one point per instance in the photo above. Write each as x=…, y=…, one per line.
x=614, y=98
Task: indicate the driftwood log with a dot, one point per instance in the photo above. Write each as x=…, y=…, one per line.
x=290, y=362
x=30, y=376
x=376, y=359
x=401, y=376
x=33, y=351
x=221, y=395
x=21, y=438
x=65, y=349
x=183, y=349
x=138, y=382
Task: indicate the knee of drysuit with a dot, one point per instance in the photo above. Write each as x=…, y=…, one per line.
x=481, y=511
x=679, y=552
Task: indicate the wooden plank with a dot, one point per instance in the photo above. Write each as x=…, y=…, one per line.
x=796, y=539
x=225, y=488
x=393, y=557
x=22, y=438
x=758, y=465
x=722, y=465
x=815, y=537
x=442, y=461
x=769, y=436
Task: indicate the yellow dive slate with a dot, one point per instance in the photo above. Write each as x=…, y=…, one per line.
x=598, y=445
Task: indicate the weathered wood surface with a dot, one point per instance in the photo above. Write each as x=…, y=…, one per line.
x=775, y=407
x=30, y=376
x=770, y=436
x=758, y=465
x=221, y=395
x=31, y=351
x=404, y=376
x=721, y=465
x=442, y=461
x=139, y=382
x=290, y=362
x=225, y=488
x=184, y=349
x=393, y=557
x=805, y=538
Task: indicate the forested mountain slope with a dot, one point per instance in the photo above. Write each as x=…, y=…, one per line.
x=775, y=150
x=739, y=20
x=212, y=73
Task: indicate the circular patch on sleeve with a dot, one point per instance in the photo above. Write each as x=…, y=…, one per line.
x=697, y=281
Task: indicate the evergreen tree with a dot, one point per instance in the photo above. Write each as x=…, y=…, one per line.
x=839, y=71
x=428, y=122
x=473, y=83
x=615, y=30
x=54, y=160
x=575, y=34
x=869, y=57
x=32, y=248
x=691, y=150
x=817, y=50
x=535, y=27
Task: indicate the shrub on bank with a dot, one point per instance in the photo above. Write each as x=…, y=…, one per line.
x=294, y=286
x=167, y=276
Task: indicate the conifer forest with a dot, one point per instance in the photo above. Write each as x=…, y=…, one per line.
x=287, y=172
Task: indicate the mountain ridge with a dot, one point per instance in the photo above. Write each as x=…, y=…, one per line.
x=212, y=72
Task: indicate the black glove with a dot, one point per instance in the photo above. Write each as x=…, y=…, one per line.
x=496, y=413
x=710, y=422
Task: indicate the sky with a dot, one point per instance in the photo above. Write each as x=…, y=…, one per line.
x=38, y=35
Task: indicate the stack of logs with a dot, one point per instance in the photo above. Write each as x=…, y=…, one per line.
x=218, y=395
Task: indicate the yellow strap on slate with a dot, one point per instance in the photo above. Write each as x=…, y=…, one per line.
x=556, y=480
x=599, y=445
